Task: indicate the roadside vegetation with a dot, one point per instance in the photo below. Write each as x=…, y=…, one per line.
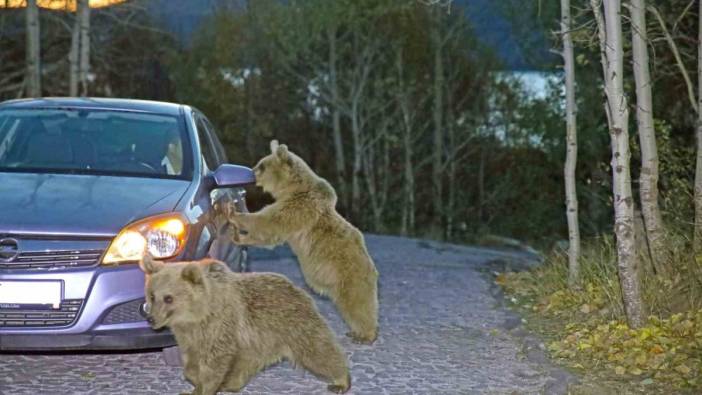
x=586, y=328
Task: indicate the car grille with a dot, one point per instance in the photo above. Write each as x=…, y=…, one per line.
x=125, y=312
x=53, y=259
x=63, y=316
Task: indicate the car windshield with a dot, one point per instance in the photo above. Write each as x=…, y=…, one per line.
x=93, y=142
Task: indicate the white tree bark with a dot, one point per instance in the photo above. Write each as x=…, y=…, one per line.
x=336, y=118
x=74, y=58
x=696, y=104
x=408, y=120
x=84, y=16
x=33, y=77
x=571, y=149
x=438, y=129
x=648, y=181
x=627, y=258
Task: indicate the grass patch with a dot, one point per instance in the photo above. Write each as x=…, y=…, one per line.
x=586, y=328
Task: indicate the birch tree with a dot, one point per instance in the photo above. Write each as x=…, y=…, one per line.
x=696, y=104
x=438, y=119
x=79, y=54
x=648, y=181
x=408, y=115
x=618, y=115
x=33, y=77
x=340, y=161
x=571, y=148
x=84, y=14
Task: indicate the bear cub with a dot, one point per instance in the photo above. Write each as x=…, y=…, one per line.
x=332, y=252
x=229, y=326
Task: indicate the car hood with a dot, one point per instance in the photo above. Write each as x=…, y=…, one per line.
x=85, y=205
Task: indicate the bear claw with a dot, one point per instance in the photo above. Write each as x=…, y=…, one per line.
x=337, y=389
x=358, y=339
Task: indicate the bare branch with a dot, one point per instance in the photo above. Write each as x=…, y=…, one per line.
x=678, y=59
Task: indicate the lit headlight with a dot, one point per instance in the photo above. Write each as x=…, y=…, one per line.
x=162, y=236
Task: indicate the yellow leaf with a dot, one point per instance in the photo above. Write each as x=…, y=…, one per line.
x=657, y=349
x=635, y=371
x=619, y=370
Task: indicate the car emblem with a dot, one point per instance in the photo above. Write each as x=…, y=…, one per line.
x=9, y=249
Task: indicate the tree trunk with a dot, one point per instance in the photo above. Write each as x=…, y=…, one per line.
x=408, y=183
x=407, y=222
x=74, y=58
x=452, y=185
x=697, y=243
x=481, y=185
x=84, y=16
x=369, y=165
x=357, y=163
x=450, y=214
x=571, y=149
x=336, y=121
x=438, y=136
x=648, y=181
x=33, y=50
x=627, y=258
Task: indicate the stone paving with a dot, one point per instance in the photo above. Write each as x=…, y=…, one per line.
x=441, y=332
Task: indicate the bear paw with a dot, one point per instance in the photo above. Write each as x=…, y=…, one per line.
x=361, y=339
x=337, y=389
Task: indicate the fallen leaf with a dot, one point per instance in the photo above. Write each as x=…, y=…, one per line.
x=657, y=349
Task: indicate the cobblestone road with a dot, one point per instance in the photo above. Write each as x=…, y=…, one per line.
x=441, y=332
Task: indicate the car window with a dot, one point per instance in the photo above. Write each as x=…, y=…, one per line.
x=94, y=142
x=209, y=154
x=219, y=149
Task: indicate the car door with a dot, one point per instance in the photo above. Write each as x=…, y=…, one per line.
x=221, y=199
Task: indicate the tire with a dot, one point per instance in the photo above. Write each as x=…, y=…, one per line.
x=240, y=263
x=171, y=356
x=235, y=256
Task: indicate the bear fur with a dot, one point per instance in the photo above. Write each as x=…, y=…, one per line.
x=332, y=252
x=229, y=326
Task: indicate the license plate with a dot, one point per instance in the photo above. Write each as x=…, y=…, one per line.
x=15, y=294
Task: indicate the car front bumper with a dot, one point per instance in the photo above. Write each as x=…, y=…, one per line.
x=110, y=340
x=108, y=318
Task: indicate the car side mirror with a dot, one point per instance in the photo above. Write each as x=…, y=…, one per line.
x=227, y=176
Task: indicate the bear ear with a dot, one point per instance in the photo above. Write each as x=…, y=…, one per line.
x=274, y=146
x=214, y=266
x=149, y=265
x=192, y=273
x=282, y=153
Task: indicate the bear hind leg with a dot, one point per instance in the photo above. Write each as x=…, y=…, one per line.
x=327, y=362
x=359, y=308
x=240, y=374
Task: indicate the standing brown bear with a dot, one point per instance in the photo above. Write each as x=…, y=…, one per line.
x=331, y=251
x=229, y=326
